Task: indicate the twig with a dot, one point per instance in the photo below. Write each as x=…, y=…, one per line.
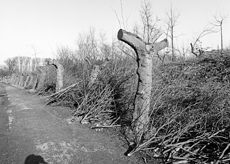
x=63, y=90
x=109, y=126
x=222, y=155
x=115, y=121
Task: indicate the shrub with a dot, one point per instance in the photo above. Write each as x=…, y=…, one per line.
x=190, y=111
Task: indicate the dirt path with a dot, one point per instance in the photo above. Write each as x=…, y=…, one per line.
x=28, y=127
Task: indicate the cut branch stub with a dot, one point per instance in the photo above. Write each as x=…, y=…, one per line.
x=144, y=52
x=131, y=39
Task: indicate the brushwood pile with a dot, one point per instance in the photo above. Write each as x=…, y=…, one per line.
x=190, y=113
x=190, y=116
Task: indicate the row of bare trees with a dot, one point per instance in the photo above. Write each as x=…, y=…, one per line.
x=152, y=28
x=22, y=64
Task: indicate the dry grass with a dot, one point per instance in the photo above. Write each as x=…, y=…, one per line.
x=189, y=108
x=106, y=100
x=190, y=112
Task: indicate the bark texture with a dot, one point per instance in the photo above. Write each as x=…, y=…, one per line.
x=32, y=81
x=144, y=52
x=60, y=74
x=28, y=78
x=22, y=80
x=41, y=78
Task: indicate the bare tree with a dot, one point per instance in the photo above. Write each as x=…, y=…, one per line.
x=144, y=52
x=218, y=22
x=183, y=50
x=87, y=45
x=35, y=61
x=11, y=65
x=122, y=21
x=171, y=21
x=150, y=26
x=195, y=49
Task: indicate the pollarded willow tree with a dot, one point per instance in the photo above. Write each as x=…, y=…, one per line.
x=60, y=73
x=144, y=53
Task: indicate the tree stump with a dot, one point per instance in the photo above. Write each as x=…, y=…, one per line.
x=41, y=78
x=22, y=80
x=28, y=78
x=144, y=52
x=60, y=74
x=32, y=80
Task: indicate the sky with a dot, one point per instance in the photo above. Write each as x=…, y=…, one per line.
x=45, y=25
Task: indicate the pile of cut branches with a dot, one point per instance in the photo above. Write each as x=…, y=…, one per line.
x=190, y=119
x=63, y=99
x=92, y=103
x=103, y=102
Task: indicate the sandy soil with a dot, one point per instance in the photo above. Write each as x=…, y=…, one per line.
x=31, y=131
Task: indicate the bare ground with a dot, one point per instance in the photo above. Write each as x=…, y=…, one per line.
x=28, y=127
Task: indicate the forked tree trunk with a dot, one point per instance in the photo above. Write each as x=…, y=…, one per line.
x=60, y=74
x=144, y=52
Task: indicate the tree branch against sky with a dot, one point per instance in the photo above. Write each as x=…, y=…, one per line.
x=23, y=23
x=150, y=25
x=197, y=38
x=11, y=65
x=218, y=21
x=172, y=16
x=123, y=22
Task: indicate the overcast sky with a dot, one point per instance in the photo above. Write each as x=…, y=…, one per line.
x=48, y=24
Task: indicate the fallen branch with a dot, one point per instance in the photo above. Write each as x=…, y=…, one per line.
x=104, y=126
x=65, y=89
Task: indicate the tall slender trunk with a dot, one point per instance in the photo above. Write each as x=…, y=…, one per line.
x=221, y=38
x=172, y=40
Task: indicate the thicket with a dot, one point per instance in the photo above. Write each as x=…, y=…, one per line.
x=190, y=114
x=189, y=118
x=190, y=111
x=4, y=72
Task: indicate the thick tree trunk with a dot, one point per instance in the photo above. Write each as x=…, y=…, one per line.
x=41, y=78
x=13, y=78
x=22, y=80
x=28, y=78
x=32, y=81
x=144, y=52
x=60, y=74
